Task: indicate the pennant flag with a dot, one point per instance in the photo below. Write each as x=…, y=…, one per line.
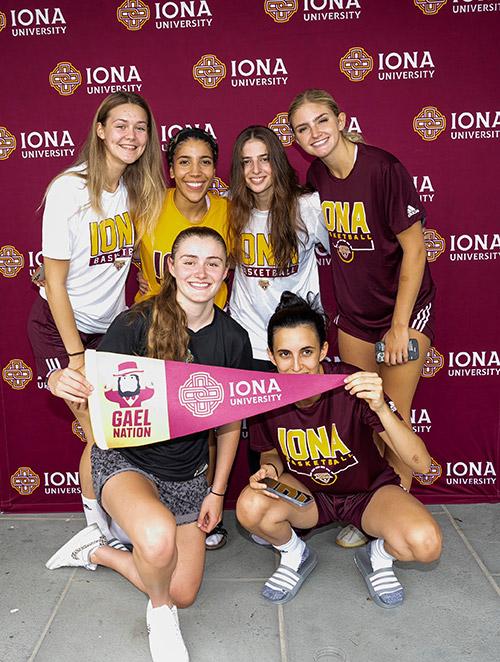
x=138, y=401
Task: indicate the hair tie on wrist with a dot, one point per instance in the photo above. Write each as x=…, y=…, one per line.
x=217, y=493
x=76, y=353
x=275, y=469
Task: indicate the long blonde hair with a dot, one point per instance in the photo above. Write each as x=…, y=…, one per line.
x=315, y=95
x=144, y=179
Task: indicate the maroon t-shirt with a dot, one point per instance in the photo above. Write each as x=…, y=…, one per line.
x=363, y=213
x=329, y=446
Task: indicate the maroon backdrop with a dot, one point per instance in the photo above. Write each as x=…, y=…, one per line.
x=417, y=77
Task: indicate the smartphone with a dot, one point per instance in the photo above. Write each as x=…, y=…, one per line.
x=412, y=350
x=287, y=492
x=39, y=274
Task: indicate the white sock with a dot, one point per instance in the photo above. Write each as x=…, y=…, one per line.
x=379, y=557
x=165, y=638
x=118, y=533
x=95, y=514
x=173, y=609
x=291, y=551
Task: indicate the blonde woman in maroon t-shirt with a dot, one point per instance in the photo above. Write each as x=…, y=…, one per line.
x=382, y=282
x=324, y=446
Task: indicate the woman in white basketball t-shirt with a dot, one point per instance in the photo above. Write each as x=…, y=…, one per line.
x=88, y=241
x=274, y=226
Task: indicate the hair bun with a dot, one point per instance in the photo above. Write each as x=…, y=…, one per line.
x=289, y=299
x=293, y=311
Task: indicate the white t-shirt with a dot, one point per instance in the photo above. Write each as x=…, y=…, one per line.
x=257, y=287
x=99, y=248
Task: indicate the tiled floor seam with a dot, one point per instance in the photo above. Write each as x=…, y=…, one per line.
x=235, y=579
x=473, y=552
x=40, y=518
x=41, y=639
x=282, y=633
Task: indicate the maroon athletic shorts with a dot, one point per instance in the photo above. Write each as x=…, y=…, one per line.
x=349, y=509
x=46, y=342
x=422, y=320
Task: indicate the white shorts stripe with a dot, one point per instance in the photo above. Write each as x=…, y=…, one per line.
x=422, y=318
x=52, y=365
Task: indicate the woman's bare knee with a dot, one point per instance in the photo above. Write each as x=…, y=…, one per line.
x=420, y=542
x=251, y=507
x=425, y=542
x=184, y=597
x=155, y=542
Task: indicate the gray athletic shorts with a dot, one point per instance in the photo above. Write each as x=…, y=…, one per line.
x=182, y=498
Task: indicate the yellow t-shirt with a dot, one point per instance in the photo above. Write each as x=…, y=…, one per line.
x=155, y=249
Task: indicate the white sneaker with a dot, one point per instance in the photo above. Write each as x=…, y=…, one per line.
x=76, y=552
x=216, y=538
x=350, y=537
x=260, y=541
x=165, y=639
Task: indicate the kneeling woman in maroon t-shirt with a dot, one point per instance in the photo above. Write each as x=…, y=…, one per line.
x=324, y=446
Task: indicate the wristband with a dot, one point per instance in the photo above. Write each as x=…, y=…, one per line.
x=274, y=467
x=217, y=493
x=76, y=353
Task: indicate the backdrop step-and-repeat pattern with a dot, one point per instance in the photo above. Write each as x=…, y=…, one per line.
x=416, y=77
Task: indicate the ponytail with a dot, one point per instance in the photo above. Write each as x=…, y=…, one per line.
x=168, y=337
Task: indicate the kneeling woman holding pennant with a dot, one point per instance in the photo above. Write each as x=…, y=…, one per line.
x=323, y=446
x=158, y=494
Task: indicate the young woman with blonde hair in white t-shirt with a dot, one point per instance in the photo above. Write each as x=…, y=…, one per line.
x=87, y=244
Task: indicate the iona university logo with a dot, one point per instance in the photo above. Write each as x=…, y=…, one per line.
x=201, y=394
x=209, y=71
x=279, y=124
x=281, y=11
x=218, y=187
x=435, y=472
x=11, y=261
x=17, y=374
x=25, y=481
x=133, y=14
x=77, y=430
x=429, y=123
x=65, y=79
x=435, y=244
x=433, y=363
x=429, y=7
x=7, y=143
x=356, y=64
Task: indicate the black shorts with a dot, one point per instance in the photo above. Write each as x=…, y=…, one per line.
x=182, y=498
x=48, y=348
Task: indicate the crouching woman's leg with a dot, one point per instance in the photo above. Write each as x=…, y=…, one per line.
x=133, y=501
x=274, y=520
x=168, y=554
x=404, y=531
